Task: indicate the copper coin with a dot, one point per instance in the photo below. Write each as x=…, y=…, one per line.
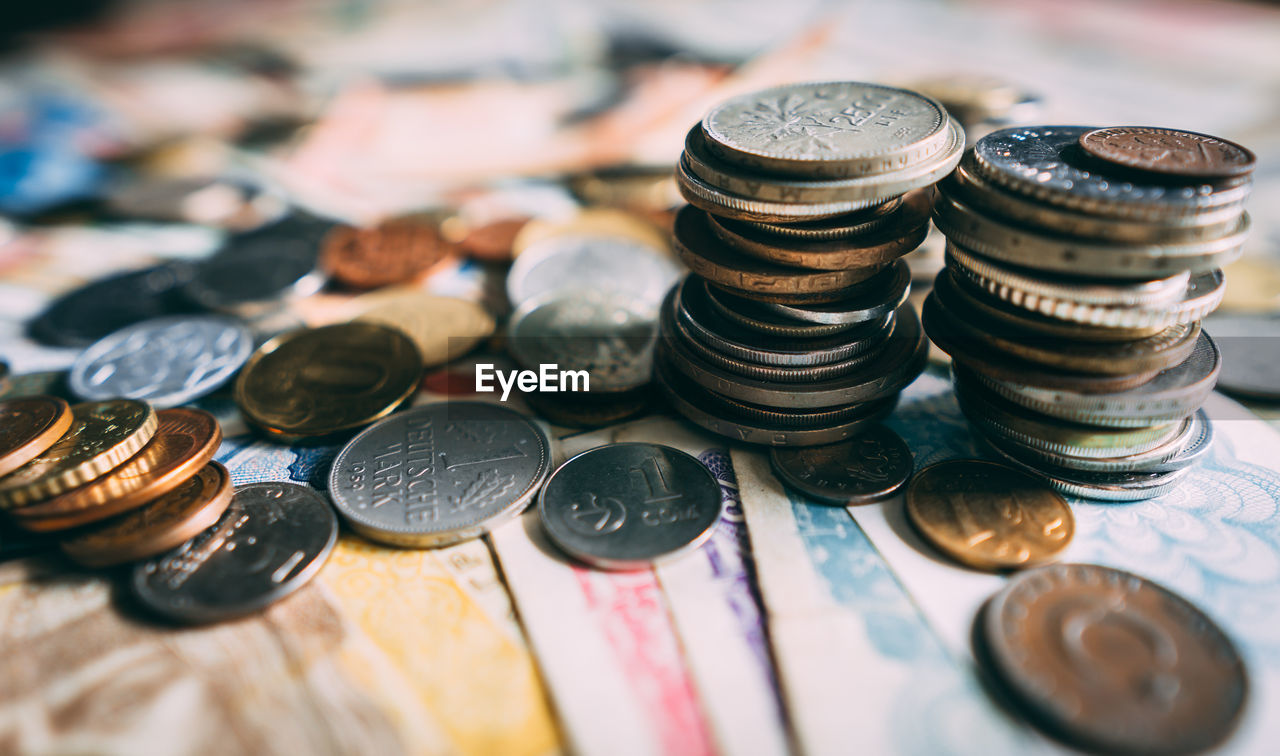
x=162, y=524
x=28, y=427
x=185, y=440
x=1169, y=152
x=1113, y=662
x=988, y=516
x=394, y=252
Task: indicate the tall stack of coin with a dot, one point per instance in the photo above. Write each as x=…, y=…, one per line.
x=791, y=330
x=1079, y=264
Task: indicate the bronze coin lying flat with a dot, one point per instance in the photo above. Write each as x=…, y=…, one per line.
x=1113, y=662
x=160, y=525
x=28, y=427
x=185, y=440
x=1168, y=152
x=394, y=252
x=988, y=516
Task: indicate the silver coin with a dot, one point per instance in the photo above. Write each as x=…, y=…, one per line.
x=1046, y=162
x=439, y=473
x=872, y=299
x=166, y=361
x=273, y=538
x=256, y=275
x=840, y=227
x=828, y=129
x=751, y=315
x=1250, y=347
x=599, y=263
x=626, y=506
x=868, y=468
x=608, y=334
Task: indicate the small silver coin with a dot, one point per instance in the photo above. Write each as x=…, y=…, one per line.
x=600, y=263
x=165, y=361
x=440, y=473
x=84, y=315
x=273, y=538
x=868, y=468
x=625, y=506
x=1250, y=347
x=257, y=274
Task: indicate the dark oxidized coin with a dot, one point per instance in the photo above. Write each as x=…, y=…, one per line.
x=1169, y=152
x=81, y=317
x=864, y=469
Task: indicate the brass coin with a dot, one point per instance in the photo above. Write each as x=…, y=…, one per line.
x=185, y=440
x=162, y=524
x=443, y=328
x=719, y=263
x=315, y=382
x=101, y=436
x=1169, y=152
x=28, y=427
x=391, y=253
x=988, y=516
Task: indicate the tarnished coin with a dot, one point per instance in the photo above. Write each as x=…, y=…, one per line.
x=162, y=524
x=988, y=516
x=185, y=440
x=256, y=274
x=81, y=317
x=868, y=468
x=315, y=382
x=443, y=328
x=439, y=473
x=28, y=427
x=827, y=129
x=626, y=506
x=390, y=253
x=101, y=436
x=271, y=540
x=165, y=361
x=1168, y=152
x=1250, y=347
x=602, y=263
x=1112, y=662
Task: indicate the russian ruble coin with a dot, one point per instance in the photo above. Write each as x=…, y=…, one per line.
x=443, y=328
x=988, y=516
x=163, y=523
x=610, y=335
x=439, y=473
x=1195, y=681
x=828, y=129
x=101, y=436
x=909, y=227
x=1169, y=152
x=393, y=252
x=626, y=506
x=1250, y=347
x=1005, y=242
x=600, y=263
x=868, y=468
x=316, y=382
x=1172, y=394
x=846, y=226
x=84, y=315
x=256, y=274
x=29, y=426
x=185, y=440
x=271, y=540
x=165, y=361
x=1047, y=163
x=754, y=316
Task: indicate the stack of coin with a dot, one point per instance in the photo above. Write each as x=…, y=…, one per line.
x=791, y=330
x=1079, y=264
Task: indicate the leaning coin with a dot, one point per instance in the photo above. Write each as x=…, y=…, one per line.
x=988, y=516
x=320, y=381
x=101, y=436
x=443, y=328
x=1070, y=641
x=601, y=262
x=184, y=441
x=162, y=524
x=271, y=540
x=1250, y=347
x=81, y=317
x=1168, y=152
x=865, y=469
x=439, y=473
x=28, y=427
x=626, y=506
x=165, y=361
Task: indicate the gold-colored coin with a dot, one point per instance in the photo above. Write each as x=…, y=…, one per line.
x=1253, y=285
x=28, y=427
x=163, y=524
x=101, y=436
x=443, y=328
x=988, y=516
x=315, y=382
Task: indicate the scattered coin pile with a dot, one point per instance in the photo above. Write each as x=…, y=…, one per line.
x=1079, y=264
x=791, y=329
